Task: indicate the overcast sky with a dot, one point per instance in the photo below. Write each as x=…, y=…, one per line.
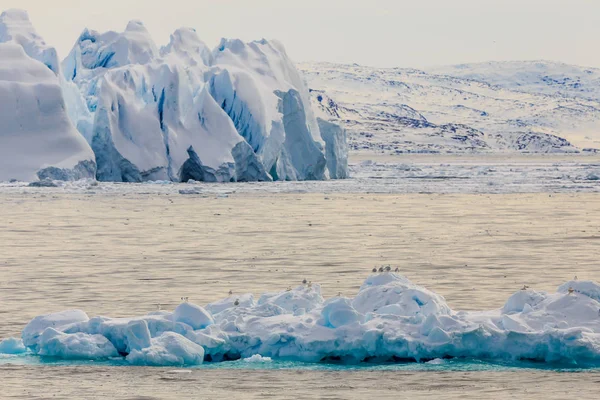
x=406, y=33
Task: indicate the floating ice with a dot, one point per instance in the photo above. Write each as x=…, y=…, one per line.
x=12, y=346
x=391, y=318
x=257, y=358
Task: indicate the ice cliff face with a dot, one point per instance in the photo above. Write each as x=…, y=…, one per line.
x=239, y=113
x=263, y=93
x=37, y=139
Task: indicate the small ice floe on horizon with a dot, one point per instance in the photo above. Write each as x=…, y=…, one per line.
x=593, y=176
x=257, y=358
x=390, y=318
x=195, y=190
x=436, y=361
x=43, y=183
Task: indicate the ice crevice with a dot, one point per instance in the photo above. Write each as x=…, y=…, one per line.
x=390, y=319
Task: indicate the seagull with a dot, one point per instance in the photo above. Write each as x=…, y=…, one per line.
x=230, y=292
x=236, y=302
x=571, y=290
x=525, y=287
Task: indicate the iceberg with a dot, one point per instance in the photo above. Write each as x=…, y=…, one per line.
x=390, y=319
x=12, y=346
x=263, y=93
x=239, y=113
x=37, y=139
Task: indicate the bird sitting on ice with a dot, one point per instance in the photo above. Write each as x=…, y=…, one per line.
x=388, y=268
x=525, y=287
x=571, y=290
x=380, y=269
x=304, y=281
x=374, y=270
x=236, y=302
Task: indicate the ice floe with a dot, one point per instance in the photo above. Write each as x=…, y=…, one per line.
x=390, y=319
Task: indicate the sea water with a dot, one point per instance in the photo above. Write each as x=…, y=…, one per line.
x=122, y=252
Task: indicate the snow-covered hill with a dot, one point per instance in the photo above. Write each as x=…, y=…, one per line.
x=488, y=107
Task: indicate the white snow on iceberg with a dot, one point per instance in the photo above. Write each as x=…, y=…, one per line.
x=37, y=139
x=390, y=319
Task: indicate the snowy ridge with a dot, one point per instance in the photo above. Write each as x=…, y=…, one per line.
x=37, y=139
x=390, y=319
x=488, y=107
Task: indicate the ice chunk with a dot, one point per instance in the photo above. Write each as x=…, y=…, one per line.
x=54, y=343
x=12, y=346
x=336, y=147
x=302, y=297
x=138, y=335
x=389, y=293
x=339, y=312
x=168, y=349
x=587, y=288
x=518, y=301
x=192, y=315
x=257, y=358
x=243, y=300
x=38, y=325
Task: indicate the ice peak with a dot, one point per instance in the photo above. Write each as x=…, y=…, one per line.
x=15, y=27
x=136, y=26
x=186, y=42
x=15, y=14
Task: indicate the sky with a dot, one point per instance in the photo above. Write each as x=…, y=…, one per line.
x=383, y=33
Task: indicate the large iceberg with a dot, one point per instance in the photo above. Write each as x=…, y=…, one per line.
x=37, y=138
x=390, y=319
x=239, y=113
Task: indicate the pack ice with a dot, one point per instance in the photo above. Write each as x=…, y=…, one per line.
x=390, y=319
x=37, y=139
x=238, y=113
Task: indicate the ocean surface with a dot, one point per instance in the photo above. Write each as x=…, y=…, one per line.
x=119, y=250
